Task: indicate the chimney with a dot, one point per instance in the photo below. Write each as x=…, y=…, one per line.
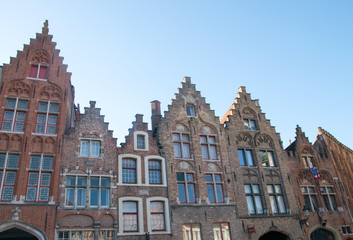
x=156, y=113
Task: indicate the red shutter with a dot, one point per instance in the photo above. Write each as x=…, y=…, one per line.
x=43, y=72
x=34, y=70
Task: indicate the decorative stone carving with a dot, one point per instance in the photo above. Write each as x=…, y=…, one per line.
x=273, y=175
x=264, y=141
x=206, y=129
x=18, y=89
x=324, y=175
x=212, y=167
x=37, y=145
x=4, y=141
x=244, y=139
x=50, y=92
x=40, y=56
x=49, y=146
x=180, y=128
x=184, y=166
x=16, y=142
x=248, y=112
x=251, y=175
x=306, y=175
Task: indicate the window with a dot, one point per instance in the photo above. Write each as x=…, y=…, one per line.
x=8, y=170
x=157, y=216
x=81, y=235
x=276, y=198
x=346, y=230
x=14, y=115
x=250, y=124
x=253, y=199
x=129, y=170
x=221, y=231
x=154, y=172
x=90, y=148
x=77, y=188
x=141, y=142
x=190, y=110
x=245, y=157
x=310, y=197
x=208, y=147
x=181, y=143
x=105, y=235
x=130, y=217
x=308, y=161
x=186, y=187
x=191, y=232
x=75, y=192
x=329, y=197
x=99, y=191
x=267, y=158
x=39, y=177
x=214, y=188
x=47, y=117
x=38, y=71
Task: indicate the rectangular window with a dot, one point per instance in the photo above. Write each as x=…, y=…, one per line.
x=214, y=188
x=14, y=115
x=8, y=170
x=267, y=158
x=130, y=217
x=157, y=216
x=99, y=191
x=190, y=110
x=346, y=230
x=90, y=148
x=47, y=117
x=245, y=157
x=181, y=144
x=310, y=197
x=191, y=232
x=253, y=199
x=39, y=178
x=38, y=71
x=154, y=172
x=129, y=171
x=141, y=142
x=250, y=124
x=329, y=197
x=208, y=147
x=186, y=187
x=221, y=231
x=308, y=161
x=276, y=198
x=105, y=235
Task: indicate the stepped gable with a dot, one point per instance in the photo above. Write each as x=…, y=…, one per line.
x=300, y=139
x=41, y=50
x=187, y=94
x=330, y=136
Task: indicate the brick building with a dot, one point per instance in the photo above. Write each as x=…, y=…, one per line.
x=191, y=176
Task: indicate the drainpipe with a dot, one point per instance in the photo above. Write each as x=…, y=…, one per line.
x=345, y=201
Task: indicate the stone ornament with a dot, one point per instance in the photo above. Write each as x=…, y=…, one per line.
x=264, y=141
x=19, y=89
x=50, y=92
x=180, y=128
x=184, y=166
x=206, y=129
x=40, y=56
x=212, y=167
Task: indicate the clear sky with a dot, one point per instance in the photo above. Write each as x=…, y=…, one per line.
x=296, y=57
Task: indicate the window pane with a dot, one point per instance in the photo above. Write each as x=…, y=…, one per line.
x=187, y=232
x=252, y=125
x=43, y=107
x=247, y=188
x=217, y=235
x=251, y=207
x=44, y=194
x=95, y=148
x=225, y=231
x=81, y=181
x=2, y=160
x=34, y=71
x=189, y=177
x=70, y=181
x=10, y=103
x=157, y=222
x=12, y=162
x=219, y=191
x=213, y=152
x=31, y=194
x=105, y=197
x=42, y=72
x=258, y=203
x=217, y=178
x=47, y=163
x=39, y=128
x=54, y=108
x=84, y=148
x=177, y=150
x=6, y=126
x=186, y=150
x=180, y=177
x=281, y=205
x=22, y=104
x=190, y=110
x=130, y=223
x=70, y=197
x=273, y=204
x=203, y=139
x=191, y=193
x=181, y=193
x=185, y=137
x=18, y=127
x=45, y=179
x=241, y=157
x=8, y=116
x=7, y=193
x=140, y=141
x=210, y=193
x=271, y=159
x=52, y=119
x=130, y=207
x=249, y=157
x=176, y=137
x=196, y=232
x=10, y=178
x=208, y=178
x=33, y=179
x=94, y=197
x=105, y=182
x=35, y=162
x=81, y=197
x=269, y=189
x=94, y=181
x=256, y=188
x=246, y=124
x=204, y=149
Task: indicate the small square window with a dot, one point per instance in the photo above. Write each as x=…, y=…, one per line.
x=190, y=110
x=250, y=124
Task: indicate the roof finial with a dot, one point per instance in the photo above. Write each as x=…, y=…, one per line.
x=45, y=29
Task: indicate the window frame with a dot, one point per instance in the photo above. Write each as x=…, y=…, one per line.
x=166, y=215
x=146, y=144
x=3, y=177
x=209, y=145
x=47, y=114
x=308, y=161
x=328, y=196
x=277, y=197
x=163, y=171
x=214, y=186
x=191, y=107
x=39, y=66
x=310, y=195
x=121, y=157
x=186, y=184
x=247, y=124
x=39, y=171
x=245, y=157
x=253, y=196
x=191, y=231
x=15, y=111
x=91, y=142
x=182, y=145
x=140, y=229
x=221, y=232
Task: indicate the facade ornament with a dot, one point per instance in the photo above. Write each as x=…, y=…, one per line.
x=15, y=212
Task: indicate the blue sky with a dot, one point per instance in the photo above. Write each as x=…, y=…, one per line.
x=296, y=57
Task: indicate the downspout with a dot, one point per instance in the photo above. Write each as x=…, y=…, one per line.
x=345, y=201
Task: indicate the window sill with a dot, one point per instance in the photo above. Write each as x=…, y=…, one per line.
x=44, y=134
x=211, y=160
x=7, y=131
x=186, y=159
x=37, y=79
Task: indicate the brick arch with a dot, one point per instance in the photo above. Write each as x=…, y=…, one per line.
x=50, y=91
x=325, y=175
x=4, y=141
x=180, y=127
x=249, y=113
x=212, y=167
x=305, y=174
x=184, y=166
x=207, y=129
x=24, y=227
x=18, y=88
x=244, y=139
x=37, y=144
x=49, y=145
x=106, y=214
x=264, y=140
x=266, y=235
x=16, y=143
x=40, y=56
x=86, y=216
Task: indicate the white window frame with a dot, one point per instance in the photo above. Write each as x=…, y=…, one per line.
x=139, y=216
x=39, y=65
x=47, y=113
x=90, y=140
x=138, y=169
x=166, y=215
x=15, y=110
x=163, y=171
x=145, y=134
